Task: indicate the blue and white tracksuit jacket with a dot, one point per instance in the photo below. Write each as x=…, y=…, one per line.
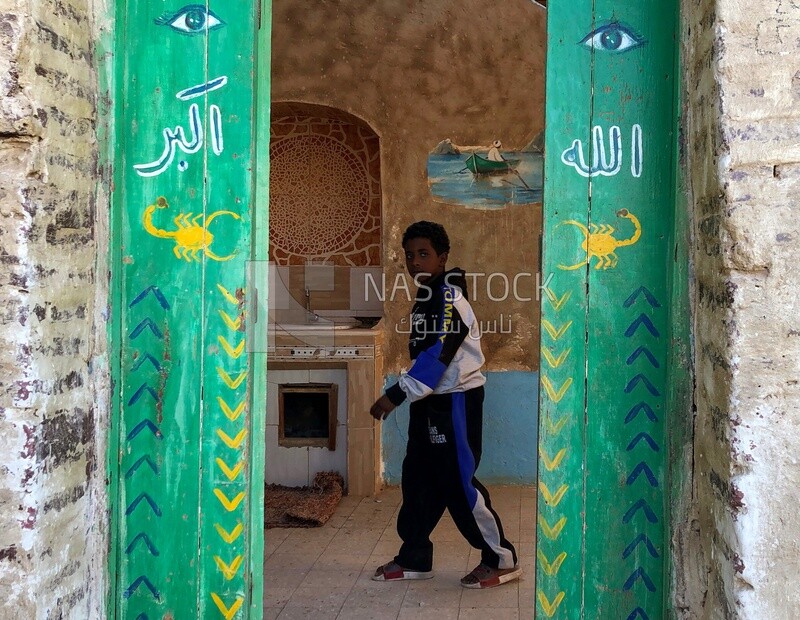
x=445, y=387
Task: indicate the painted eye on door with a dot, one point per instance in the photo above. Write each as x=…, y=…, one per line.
x=191, y=19
x=613, y=37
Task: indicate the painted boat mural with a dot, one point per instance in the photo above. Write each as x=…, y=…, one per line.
x=480, y=165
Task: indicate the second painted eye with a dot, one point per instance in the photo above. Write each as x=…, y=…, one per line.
x=613, y=37
x=192, y=19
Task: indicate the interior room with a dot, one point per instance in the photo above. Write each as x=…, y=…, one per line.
x=383, y=115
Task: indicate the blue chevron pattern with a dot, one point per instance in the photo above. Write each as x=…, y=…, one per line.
x=640, y=378
x=138, y=394
x=144, y=424
x=144, y=407
x=162, y=301
x=646, y=438
x=147, y=542
x=145, y=459
x=640, y=539
x=142, y=579
x=649, y=297
x=646, y=352
x=641, y=550
x=641, y=408
x=146, y=358
x=642, y=468
x=642, y=320
x=143, y=497
x=146, y=324
x=638, y=613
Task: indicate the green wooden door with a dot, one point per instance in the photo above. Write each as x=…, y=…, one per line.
x=184, y=467
x=608, y=241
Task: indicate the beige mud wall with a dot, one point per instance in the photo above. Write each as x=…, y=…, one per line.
x=741, y=551
x=419, y=72
x=52, y=506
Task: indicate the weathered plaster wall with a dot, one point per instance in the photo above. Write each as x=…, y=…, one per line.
x=419, y=72
x=742, y=549
x=51, y=499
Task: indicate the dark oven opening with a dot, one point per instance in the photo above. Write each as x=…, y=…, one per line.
x=307, y=415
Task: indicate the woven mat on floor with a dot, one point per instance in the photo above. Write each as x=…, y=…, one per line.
x=303, y=506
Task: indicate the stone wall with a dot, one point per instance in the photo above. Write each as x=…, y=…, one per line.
x=740, y=553
x=52, y=504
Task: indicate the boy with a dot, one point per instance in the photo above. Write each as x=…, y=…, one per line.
x=445, y=386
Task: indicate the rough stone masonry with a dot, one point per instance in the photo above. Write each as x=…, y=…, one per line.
x=52, y=560
x=740, y=557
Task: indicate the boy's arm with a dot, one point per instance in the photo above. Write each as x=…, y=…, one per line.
x=431, y=363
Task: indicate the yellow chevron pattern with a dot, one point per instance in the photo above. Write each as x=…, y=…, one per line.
x=230, y=381
x=229, y=504
x=555, y=334
x=229, y=570
x=548, y=607
x=556, y=395
x=235, y=442
x=555, y=427
x=555, y=357
x=231, y=474
x=227, y=295
x=554, y=301
x=231, y=485
x=231, y=414
x=227, y=612
x=234, y=324
x=553, y=361
x=552, y=532
x=551, y=464
x=552, y=499
x=234, y=353
x=551, y=568
x=229, y=537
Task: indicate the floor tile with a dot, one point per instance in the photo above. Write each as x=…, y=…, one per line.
x=429, y=613
x=320, y=598
x=277, y=597
x=333, y=578
x=309, y=613
x=444, y=590
x=503, y=596
x=331, y=559
x=484, y=614
x=292, y=561
x=283, y=578
x=321, y=573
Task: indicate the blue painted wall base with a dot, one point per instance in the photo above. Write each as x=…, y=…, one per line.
x=510, y=431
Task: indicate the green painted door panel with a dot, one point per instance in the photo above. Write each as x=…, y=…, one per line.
x=564, y=311
x=609, y=214
x=183, y=171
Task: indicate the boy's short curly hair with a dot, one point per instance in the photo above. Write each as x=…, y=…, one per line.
x=431, y=231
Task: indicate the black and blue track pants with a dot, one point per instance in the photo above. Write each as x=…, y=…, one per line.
x=444, y=450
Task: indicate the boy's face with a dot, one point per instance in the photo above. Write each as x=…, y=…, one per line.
x=422, y=261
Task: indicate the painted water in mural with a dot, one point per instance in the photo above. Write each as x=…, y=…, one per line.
x=451, y=180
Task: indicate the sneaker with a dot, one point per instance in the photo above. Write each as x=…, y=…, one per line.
x=391, y=571
x=483, y=576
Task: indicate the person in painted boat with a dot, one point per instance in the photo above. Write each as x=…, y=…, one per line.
x=446, y=389
x=494, y=152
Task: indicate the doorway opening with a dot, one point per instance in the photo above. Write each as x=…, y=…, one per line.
x=380, y=118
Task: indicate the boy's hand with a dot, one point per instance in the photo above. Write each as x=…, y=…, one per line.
x=382, y=408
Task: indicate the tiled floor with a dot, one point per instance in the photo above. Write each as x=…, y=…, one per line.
x=324, y=573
